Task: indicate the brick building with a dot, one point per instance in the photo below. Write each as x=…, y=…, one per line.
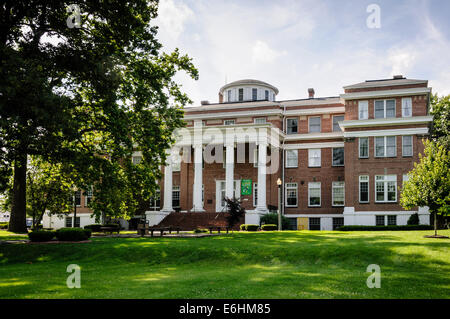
x=338, y=160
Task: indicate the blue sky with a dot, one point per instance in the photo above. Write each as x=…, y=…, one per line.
x=299, y=44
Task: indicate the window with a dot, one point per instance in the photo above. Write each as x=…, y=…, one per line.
x=314, y=124
x=336, y=119
x=266, y=94
x=291, y=158
x=338, y=193
x=338, y=156
x=260, y=120
x=386, y=146
x=314, y=194
x=384, y=109
x=314, y=157
x=229, y=95
x=292, y=126
x=228, y=122
x=69, y=221
x=78, y=198
x=314, y=223
x=379, y=220
x=385, y=188
x=406, y=107
x=392, y=220
x=236, y=192
x=407, y=145
x=255, y=194
x=363, y=147
x=241, y=94
x=88, y=197
x=292, y=223
x=175, y=196
x=338, y=222
x=136, y=159
x=364, y=189
x=155, y=201
x=405, y=178
x=291, y=194
x=363, y=110
x=254, y=94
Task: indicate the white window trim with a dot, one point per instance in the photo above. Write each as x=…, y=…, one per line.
x=368, y=188
x=412, y=145
x=359, y=110
x=403, y=114
x=87, y=196
x=320, y=123
x=298, y=124
x=320, y=196
x=359, y=147
x=385, y=181
x=332, y=150
x=174, y=189
x=332, y=193
x=255, y=120
x=384, y=108
x=296, y=193
x=287, y=165
x=385, y=146
x=309, y=157
x=229, y=122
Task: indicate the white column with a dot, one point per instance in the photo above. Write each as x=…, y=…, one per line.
x=229, y=170
x=262, y=159
x=198, y=179
x=168, y=186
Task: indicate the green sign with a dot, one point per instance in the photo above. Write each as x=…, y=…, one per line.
x=246, y=187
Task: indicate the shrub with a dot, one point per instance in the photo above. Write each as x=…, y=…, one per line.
x=73, y=234
x=413, y=219
x=269, y=227
x=243, y=227
x=116, y=226
x=41, y=235
x=4, y=225
x=200, y=230
x=94, y=228
x=272, y=218
x=251, y=227
x=393, y=227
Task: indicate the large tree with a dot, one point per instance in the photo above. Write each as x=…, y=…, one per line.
x=86, y=95
x=429, y=182
x=440, y=109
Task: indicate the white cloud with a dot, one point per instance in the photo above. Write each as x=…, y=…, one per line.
x=172, y=17
x=262, y=53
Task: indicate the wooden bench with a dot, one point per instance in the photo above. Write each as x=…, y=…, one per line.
x=110, y=230
x=163, y=229
x=218, y=228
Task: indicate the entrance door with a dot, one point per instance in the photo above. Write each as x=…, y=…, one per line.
x=220, y=194
x=302, y=223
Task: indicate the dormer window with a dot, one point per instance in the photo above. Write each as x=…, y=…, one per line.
x=229, y=96
x=228, y=122
x=266, y=92
x=241, y=94
x=254, y=94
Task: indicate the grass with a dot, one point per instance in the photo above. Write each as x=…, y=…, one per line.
x=302, y=264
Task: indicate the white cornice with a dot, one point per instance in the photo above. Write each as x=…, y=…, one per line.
x=201, y=116
x=325, y=110
x=230, y=106
x=385, y=93
x=313, y=136
x=312, y=145
x=387, y=121
x=403, y=131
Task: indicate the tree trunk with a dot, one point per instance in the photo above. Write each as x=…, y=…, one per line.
x=18, y=219
x=435, y=223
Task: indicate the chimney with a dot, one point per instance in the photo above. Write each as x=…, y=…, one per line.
x=311, y=93
x=204, y=102
x=397, y=77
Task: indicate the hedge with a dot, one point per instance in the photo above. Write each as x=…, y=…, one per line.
x=391, y=227
x=95, y=228
x=4, y=225
x=41, y=235
x=73, y=234
x=117, y=226
x=243, y=227
x=200, y=230
x=251, y=227
x=269, y=227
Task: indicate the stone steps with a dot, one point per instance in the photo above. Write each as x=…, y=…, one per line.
x=191, y=221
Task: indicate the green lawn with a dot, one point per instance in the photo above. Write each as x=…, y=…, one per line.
x=302, y=264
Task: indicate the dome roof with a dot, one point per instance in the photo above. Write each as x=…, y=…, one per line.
x=248, y=82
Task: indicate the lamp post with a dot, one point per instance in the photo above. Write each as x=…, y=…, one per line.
x=279, y=203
